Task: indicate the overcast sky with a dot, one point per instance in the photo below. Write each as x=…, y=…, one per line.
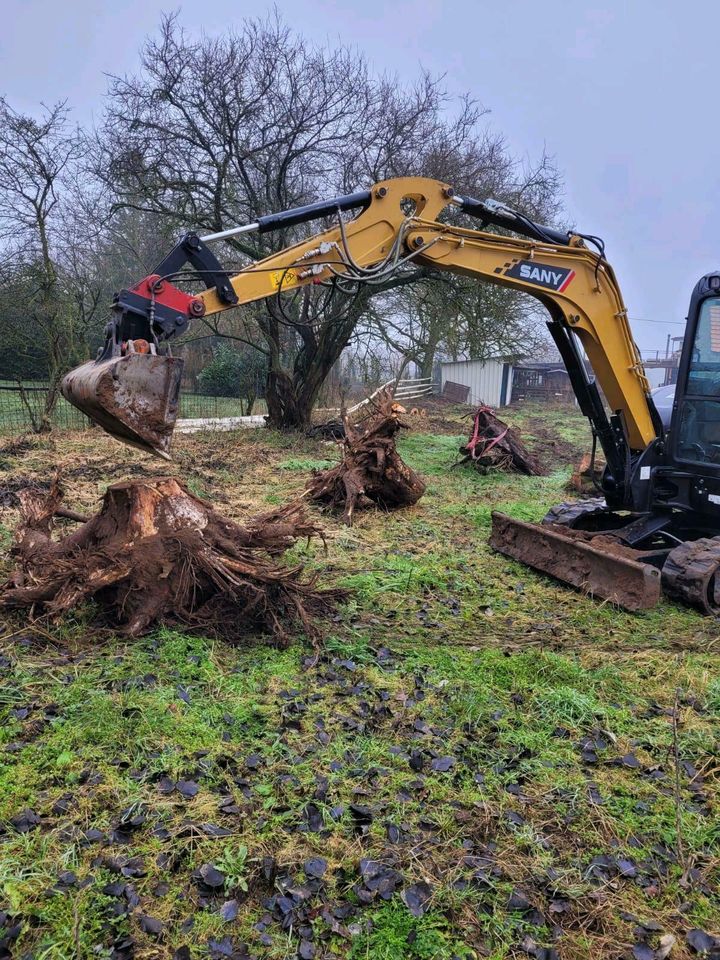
x=623, y=94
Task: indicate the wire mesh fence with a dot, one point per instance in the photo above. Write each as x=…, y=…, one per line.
x=22, y=407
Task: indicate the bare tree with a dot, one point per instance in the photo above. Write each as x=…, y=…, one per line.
x=214, y=132
x=457, y=317
x=45, y=288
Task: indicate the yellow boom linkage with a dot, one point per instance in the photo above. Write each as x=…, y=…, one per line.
x=589, y=297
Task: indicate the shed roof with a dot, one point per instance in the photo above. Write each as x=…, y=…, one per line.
x=446, y=363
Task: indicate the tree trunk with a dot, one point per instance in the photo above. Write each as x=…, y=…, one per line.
x=51, y=399
x=285, y=409
x=426, y=367
x=291, y=398
x=292, y=395
x=428, y=357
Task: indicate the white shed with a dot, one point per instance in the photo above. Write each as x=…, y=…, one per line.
x=489, y=381
x=656, y=376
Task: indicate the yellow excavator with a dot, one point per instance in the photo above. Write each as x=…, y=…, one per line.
x=656, y=526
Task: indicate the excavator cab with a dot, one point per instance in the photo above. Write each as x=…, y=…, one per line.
x=697, y=401
x=132, y=392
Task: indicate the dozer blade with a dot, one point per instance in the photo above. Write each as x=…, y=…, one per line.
x=601, y=568
x=134, y=398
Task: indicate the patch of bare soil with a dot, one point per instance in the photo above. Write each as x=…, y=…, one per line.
x=548, y=444
x=435, y=414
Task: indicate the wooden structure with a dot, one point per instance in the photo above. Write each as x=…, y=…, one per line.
x=542, y=381
x=456, y=392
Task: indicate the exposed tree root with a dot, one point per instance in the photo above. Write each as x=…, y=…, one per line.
x=587, y=475
x=155, y=553
x=371, y=471
x=493, y=444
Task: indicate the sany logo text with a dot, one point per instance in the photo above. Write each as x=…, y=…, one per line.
x=540, y=275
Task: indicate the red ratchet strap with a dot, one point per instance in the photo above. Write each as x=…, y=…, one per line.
x=475, y=439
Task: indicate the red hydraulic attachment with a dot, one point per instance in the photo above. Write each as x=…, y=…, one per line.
x=162, y=293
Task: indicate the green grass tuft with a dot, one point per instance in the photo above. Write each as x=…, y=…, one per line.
x=305, y=463
x=397, y=935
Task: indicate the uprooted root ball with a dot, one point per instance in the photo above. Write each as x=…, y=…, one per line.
x=495, y=445
x=155, y=553
x=371, y=471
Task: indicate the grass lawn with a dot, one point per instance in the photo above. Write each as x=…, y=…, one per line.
x=482, y=764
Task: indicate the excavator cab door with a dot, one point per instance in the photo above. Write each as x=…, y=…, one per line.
x=695, y=428
x=132, y=392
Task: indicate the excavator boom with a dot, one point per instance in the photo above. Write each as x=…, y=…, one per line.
x=576, y=284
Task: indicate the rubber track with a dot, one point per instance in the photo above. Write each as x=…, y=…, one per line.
x=688, y=573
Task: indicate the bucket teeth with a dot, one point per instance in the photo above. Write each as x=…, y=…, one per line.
x=134, y=398
x=600, y=567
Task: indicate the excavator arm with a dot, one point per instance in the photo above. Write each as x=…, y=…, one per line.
x=399, y=223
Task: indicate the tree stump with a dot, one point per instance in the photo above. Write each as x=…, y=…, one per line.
x=494, y=444
x=155, y=553
x=371, y=471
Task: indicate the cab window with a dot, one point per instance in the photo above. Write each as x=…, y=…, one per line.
x=704, y=372
x=698, y=437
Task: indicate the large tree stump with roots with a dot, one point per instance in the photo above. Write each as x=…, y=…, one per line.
x=495, y=445
x=155, y=553
x=371, y=471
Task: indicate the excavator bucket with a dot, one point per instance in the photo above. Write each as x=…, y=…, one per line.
x=599, y=566
x=133, y=397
